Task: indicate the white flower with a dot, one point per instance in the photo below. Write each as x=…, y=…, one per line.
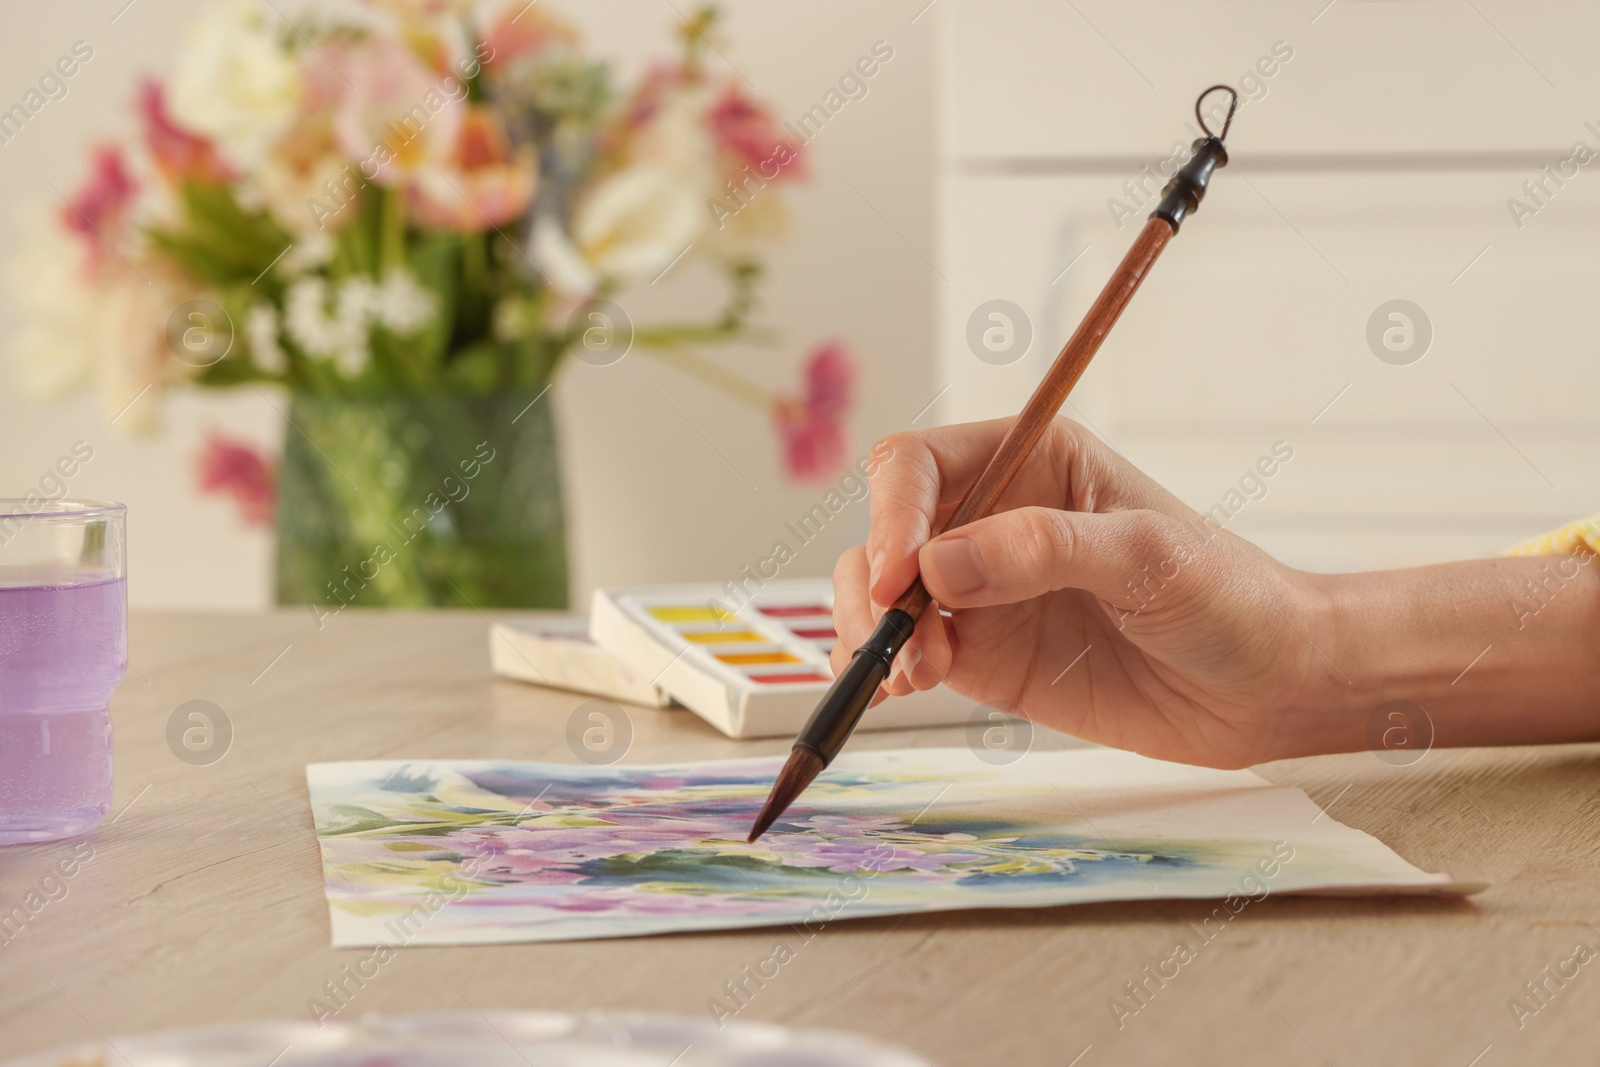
x=638, y=220
x=261, y=330
x=357, y=299
x=341, y=337
x=399, y=305
x=108, y=330
x=402, y=306
x=306, y=317
x=310, y=251
x=634, y=223
x=235, y=83
x=559, y=260
x=54, y=349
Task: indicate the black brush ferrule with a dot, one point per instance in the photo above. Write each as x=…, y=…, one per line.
x=835, y=719
x=1182, y=195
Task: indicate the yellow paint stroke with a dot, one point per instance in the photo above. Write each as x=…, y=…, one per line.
x=718, y=637
x=752, y=659
x=689, y=613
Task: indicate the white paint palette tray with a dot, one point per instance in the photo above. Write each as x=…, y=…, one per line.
x=752, y=666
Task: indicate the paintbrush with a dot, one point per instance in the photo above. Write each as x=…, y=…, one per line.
x=835, y=718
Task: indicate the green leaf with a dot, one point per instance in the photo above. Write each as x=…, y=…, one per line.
x=218, y=241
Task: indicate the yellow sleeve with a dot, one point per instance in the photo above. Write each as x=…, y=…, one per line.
x=1575, y=537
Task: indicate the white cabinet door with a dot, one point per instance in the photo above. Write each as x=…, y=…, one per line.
x=1385, y=162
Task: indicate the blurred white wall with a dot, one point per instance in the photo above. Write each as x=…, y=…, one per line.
x=655, y=492
x=1377, y=157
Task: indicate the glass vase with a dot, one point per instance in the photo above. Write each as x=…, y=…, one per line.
x=417, y=500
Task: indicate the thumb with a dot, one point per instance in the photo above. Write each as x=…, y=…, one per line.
x=1018, y=555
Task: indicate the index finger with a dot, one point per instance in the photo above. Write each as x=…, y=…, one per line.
x=915, y=474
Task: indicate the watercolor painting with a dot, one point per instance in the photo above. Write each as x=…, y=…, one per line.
x=480, y=851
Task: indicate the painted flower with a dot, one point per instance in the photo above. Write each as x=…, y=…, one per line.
x=811, y=426
x=234, y=468
x=851, y=824
x=235, y=83
x=864, y=842
x=843, y=855
x=482, y=183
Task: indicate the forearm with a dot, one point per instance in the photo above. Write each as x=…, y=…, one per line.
x=1497, y=652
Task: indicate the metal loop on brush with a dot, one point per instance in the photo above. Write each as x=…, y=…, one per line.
x=1233, y=105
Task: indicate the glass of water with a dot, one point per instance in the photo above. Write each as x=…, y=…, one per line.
x=63, y=651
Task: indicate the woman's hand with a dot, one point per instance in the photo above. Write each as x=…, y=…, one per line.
x=1093, y=602
x=1096, y=603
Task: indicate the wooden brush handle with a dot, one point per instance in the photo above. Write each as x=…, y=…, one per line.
x=1052, y=391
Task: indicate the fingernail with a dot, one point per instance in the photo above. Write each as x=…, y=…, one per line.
x=956, y=565
x=909, y=658
x=875, y=569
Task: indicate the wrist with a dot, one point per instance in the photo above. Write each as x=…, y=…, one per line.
x=1499, y=651
x=1332, y=700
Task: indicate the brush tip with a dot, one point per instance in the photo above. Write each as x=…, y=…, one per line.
x=802, y=767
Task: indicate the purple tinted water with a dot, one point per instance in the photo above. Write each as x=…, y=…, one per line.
x=63, y=650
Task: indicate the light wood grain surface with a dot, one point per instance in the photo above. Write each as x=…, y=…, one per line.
x=202, y=902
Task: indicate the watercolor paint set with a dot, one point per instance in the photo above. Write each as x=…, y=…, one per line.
x=752, y=665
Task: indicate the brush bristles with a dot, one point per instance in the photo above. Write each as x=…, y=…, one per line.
x=800, y=771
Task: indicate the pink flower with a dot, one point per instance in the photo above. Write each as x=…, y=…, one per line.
x=518, y=35
x=96, y=210
x=811, y=426
x=483, y=183
x=235, y=468
x=181, y=155
x=396, y=119
x=747, y=133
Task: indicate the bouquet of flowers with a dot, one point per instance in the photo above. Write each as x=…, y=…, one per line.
x=403, y=202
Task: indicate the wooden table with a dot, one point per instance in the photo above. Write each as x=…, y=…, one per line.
x=202, y=902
